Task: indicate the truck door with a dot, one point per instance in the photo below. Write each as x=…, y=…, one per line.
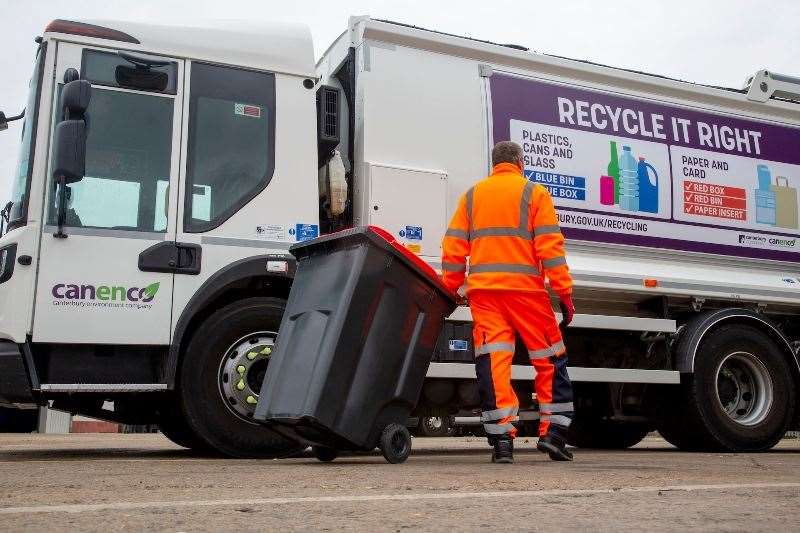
x=111, y=279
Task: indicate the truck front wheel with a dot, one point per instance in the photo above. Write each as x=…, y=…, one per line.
x=220, y=377
x=741, y=396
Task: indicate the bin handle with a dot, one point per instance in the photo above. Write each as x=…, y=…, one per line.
x=785, y=181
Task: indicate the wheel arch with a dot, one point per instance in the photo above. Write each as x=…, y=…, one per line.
x=695, y=330
x=243, y=278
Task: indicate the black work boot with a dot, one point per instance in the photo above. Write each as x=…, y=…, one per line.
x=503, y=449
x=555, y=446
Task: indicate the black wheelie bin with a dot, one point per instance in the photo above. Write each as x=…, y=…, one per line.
x=360, y=326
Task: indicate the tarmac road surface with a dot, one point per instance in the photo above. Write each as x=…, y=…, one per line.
x=113, y=482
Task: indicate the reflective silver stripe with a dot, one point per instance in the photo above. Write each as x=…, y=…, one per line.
x=529, y=415
x=524, y=207
x=500, y=232
x=495, y=347
x=559, y=420
x=497, y=414
x=540, y=354
x=555, y=349
x=454, y=267
x=244, y=243
x=497, y=429
x=506, y=268
x=546, y=230
x=469, y=195
x=554, y=262
x=558, y=347
x=457, y=233
x=564, y=407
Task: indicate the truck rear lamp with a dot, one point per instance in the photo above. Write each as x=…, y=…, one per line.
x=89, y=30
x=651, y=283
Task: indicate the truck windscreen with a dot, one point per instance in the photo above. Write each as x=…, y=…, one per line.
x=21, y=185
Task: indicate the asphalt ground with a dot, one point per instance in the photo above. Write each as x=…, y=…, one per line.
x=111, y=482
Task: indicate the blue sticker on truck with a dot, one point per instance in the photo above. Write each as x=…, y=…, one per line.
x=412, y=233
x=304, y=232
x=458, y=345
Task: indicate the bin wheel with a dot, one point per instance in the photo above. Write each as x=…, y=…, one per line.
x=395, y=443
x=325, y=454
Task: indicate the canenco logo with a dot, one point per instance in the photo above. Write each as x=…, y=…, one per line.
x=64, y=291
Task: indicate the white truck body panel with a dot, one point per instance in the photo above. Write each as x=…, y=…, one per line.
x=423, y=103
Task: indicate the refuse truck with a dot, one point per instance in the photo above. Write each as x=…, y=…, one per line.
x=165, y=171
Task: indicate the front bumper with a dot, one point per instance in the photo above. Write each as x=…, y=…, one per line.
x=15, y=384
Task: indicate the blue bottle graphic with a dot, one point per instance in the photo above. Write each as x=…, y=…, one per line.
x=628, y=181
x=766, y=209
x=648, y=187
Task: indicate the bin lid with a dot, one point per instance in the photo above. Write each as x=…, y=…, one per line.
x=387, y=242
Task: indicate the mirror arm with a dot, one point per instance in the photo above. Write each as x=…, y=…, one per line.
x=17, y=117
x=62, y=208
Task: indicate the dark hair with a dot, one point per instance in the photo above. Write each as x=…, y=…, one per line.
x=506, y=152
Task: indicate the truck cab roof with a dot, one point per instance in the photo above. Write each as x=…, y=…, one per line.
x=279, y=47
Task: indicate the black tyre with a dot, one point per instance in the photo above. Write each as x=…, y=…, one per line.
x=741, y=396
x=605, y=434
x=220, y=377
x=172, y=423
x=435, y=426
x=395, y=443
x=325, y=454
x=178, y=431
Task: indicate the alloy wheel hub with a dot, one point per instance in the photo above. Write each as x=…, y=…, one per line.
x=242, y=371
x=744, y=388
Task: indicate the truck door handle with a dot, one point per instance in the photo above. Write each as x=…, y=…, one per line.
x=172, y=257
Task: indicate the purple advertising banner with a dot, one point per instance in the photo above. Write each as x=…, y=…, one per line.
x=633, y=171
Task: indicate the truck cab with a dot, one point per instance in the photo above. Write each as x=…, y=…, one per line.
x=199, y=170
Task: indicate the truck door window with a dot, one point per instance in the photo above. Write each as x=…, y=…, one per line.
x=231, y=142
x=113, y=70
x=128, y=153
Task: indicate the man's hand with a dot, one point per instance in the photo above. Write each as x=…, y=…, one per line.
x=567, y=309
x=461, y=293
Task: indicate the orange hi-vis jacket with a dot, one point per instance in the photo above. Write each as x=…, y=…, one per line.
x=507, y=226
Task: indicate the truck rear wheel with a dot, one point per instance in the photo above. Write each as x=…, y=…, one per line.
x=605, y=434
x=221, y=374
x=741, y=396
x=435, y=426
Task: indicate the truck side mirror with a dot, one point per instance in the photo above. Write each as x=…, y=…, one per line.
x=69, y=144
x=69, y=151
x=75, y=97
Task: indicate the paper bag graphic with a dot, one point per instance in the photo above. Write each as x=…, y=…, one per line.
x=785, y=203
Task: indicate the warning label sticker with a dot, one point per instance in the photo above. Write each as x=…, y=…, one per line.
x=247, y=110
x=271, y=232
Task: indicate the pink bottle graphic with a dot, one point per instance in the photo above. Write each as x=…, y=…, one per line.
x=607, y=190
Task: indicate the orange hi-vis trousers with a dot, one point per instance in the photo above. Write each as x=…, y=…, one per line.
x=498, y=316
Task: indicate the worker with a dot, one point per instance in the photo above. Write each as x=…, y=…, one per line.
x=506, y=227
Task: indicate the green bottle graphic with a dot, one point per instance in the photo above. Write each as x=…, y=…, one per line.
x=613, y=170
